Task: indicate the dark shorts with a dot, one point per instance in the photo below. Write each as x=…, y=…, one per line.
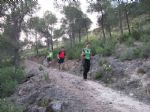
x=61, y=60
x=49, y=59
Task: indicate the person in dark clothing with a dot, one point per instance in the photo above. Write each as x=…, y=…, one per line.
x=86, y=57
x=61, y=58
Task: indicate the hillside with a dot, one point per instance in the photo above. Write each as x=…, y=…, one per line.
x=50, y=90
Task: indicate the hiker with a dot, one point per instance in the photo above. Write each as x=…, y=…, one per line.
x=49, y=57
x=61, y=58
x=86, y=57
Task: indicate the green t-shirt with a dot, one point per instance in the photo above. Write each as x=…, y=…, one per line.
x=50, y=55
x=87, y=52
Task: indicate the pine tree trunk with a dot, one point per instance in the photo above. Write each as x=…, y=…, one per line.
x=37, y=51
x=16, y=34
x=52, y=48
x=48, y=43
x=110, y=31
x=120, y=19
x=79, y=36
x=16, y=50
x=127, y=19
x=70, y=35
x=103, y=30
x=73, y=37
x=87, y=36
x=102, y=23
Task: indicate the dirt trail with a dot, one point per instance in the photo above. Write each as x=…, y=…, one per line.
x=96, y=97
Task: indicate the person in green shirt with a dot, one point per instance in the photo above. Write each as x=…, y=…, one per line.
x=86, y=57
x=49, y=57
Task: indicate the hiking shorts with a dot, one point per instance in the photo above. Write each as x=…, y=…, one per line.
x=61, y=60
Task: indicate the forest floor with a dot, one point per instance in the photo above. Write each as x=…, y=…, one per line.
x=80, y=95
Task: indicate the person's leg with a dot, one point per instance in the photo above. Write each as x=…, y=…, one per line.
x=88, y=65
x=63, y=64
x=85, y=70
x=48, y=60
x=59, y=64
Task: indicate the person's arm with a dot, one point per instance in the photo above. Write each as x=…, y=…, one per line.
x=58, y=55
x=82, y=54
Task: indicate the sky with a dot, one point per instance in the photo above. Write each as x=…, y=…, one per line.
x=49, y=5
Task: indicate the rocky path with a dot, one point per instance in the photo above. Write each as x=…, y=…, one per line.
x=84, y=96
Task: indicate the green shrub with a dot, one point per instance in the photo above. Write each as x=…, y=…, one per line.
x=131, y=53
x=146, y=50
x=105, y=71
x=7, y=88
x=46, y=76
x=107, y=67
x=108, y=46
x=74, y=52
x=7, y=61
x=9, y=78
x=136, y=34
x=42, y=52
x=7, y=106
x=43, y=102
x=145, y=38
x=98, y=50
x=102, y=47
x=55, y=52
x=102, y=62
x=129, y=41
x=99, y=75
x=124, y=38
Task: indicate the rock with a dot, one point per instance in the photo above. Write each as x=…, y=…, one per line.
x=30, y=99
x=30, y=74
x=55, y=106
x=33, y=72
x=41, y=68
x=45, y=63
x=35, y=109
x=131, y=94
x=147, y=89
x=141, y=70
x=41, y=109
x=110, y=102
x=134, y=84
